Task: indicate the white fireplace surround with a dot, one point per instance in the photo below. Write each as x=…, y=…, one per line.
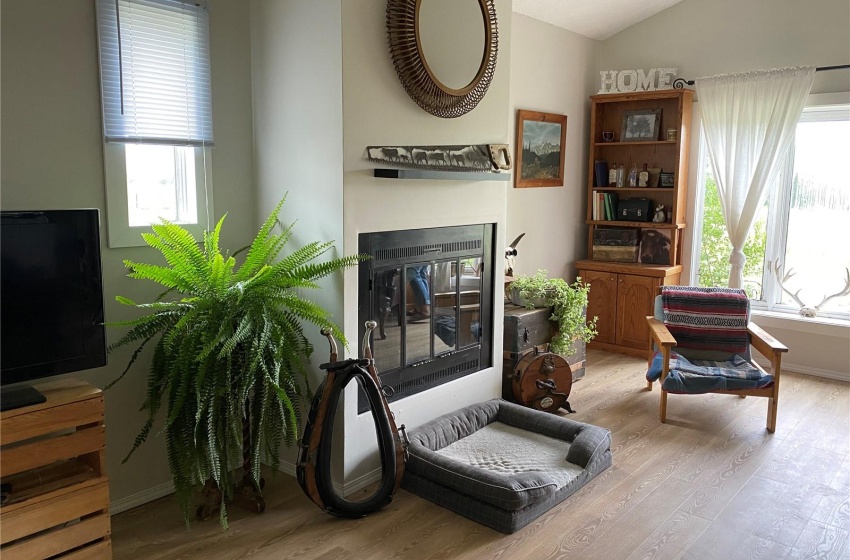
x=460, y=204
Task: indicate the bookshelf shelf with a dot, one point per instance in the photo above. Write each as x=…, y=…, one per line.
x=650, y=225
x=635, y=189
x=645, y=143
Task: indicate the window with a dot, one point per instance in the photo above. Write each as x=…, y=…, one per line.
x=157, y=115
x=797, y=253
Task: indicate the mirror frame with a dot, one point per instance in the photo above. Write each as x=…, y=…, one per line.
x=416, y=76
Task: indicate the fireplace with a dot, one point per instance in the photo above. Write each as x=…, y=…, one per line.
x=431, y=293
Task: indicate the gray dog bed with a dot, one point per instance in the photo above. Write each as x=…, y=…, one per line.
x=501, y=464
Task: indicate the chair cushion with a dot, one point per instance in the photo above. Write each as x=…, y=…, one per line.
x=704, y=376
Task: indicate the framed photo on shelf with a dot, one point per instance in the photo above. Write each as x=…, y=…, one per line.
x=666, y=179
x=540, y=142
x=641, y=125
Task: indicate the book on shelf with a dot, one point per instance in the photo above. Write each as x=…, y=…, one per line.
x=601, y=173
x=613, y=199
x=604, y=206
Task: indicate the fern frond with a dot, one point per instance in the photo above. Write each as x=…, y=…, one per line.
x=211, y=239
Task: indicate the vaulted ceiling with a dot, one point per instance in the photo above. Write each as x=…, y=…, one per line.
x=597, y=19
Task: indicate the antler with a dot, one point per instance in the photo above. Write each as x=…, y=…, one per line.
x=805, y=310
x=843, y=292
x=777, y=268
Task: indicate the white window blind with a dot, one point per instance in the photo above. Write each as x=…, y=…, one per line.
x=155, y=71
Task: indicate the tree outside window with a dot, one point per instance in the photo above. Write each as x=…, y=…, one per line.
x=798, y=243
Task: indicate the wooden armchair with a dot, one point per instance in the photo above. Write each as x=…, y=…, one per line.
x=765, y=344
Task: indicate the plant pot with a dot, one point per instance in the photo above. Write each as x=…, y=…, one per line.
x=576, y=357
x=517, y=299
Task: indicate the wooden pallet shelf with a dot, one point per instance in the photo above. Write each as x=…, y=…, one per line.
x=53, y=459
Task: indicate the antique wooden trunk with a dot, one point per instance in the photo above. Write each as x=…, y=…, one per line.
x=525, y=330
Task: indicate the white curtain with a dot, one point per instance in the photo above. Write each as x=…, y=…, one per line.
x=749, y=121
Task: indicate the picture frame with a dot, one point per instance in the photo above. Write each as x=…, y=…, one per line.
x=672, y=133
x=540, y=149
x=641, y=125
x=667, y=180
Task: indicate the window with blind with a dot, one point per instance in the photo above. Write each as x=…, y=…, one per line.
x=157, y=114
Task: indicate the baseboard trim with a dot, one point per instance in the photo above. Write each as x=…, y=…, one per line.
x=345, y=489
x=806, y=370
x=166, y=489
x=141, y=498
x=361, y=482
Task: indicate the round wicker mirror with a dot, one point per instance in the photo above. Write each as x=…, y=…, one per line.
x=411, y=36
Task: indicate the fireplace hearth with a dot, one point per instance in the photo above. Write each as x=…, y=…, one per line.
x=431, y=293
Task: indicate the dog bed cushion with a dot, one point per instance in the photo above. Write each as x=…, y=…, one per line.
x=505, y=491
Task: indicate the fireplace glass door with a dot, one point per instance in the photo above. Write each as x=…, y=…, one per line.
x=433, y=305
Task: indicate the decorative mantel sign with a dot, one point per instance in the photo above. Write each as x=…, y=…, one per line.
x=625, y=81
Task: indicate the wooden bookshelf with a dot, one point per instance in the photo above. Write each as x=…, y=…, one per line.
x=622, y=293
x=53, y=457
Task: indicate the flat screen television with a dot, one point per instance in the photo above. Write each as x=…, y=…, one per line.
x=51, y=298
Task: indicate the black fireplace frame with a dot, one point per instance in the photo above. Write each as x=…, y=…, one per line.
x=398, y=249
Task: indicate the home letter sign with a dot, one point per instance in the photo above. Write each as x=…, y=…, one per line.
x=625, y=81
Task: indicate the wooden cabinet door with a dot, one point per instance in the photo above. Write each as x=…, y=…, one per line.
x=635, y=296
x=602, y=303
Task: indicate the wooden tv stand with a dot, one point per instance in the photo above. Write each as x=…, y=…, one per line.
x=53, y=458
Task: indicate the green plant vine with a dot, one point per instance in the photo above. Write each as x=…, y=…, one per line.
x=569, y=302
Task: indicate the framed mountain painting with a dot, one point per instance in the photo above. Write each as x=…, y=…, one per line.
x=540, y=143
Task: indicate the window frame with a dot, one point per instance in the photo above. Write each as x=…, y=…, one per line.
x=777, y=233
x=148, y=97
x=119, y=231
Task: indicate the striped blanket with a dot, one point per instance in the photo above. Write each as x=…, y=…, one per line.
x=702, y=376
x=707, y=318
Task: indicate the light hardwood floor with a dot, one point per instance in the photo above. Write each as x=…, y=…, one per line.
x=709, y=484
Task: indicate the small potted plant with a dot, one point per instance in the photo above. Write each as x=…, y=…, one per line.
x=569, y=305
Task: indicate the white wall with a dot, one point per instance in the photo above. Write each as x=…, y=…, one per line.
x=52, y=157
x=297, y=93
x=378, y=111
x=552, y=71
x=706, y=37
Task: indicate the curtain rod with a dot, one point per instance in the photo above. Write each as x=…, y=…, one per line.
x=680, y=83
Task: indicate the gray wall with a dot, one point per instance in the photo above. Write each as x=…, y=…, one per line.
x=297, y=95
x=552, y=71
x=706, y=37
x=52, y=157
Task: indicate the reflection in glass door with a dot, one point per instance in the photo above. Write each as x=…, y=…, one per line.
x=425, y=310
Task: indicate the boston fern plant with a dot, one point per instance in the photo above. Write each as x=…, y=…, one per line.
x=228, y=344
